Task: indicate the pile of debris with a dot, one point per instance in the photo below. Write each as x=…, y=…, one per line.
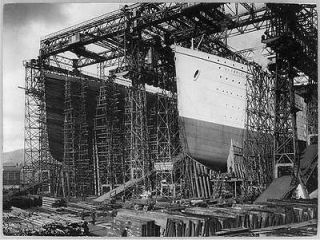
x=36, y=222
x=251, y=219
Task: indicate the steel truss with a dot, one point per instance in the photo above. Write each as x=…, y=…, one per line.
x=77, y=161
x=33, y=112
x=108, y=126
x=258, y=147
x=172, y=22
x=71, y=116
x=312, y=110
x=39, y=166
x=285, y=140
x=164, y=145
x=84, y=169
x=136, y=135
x=291, y=34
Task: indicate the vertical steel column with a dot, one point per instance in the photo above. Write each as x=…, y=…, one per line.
x=285, y=119
x=84, y=164
x=39, y=166
x=33, y=112
x=163, y=163
x=137, y=156
x=71, y=135
x=258, y=148
x=108, y=135
x=291, y=34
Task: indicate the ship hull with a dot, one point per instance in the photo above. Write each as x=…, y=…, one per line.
x=209, y=143
x=211, y=105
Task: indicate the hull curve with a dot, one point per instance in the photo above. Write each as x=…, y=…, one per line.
x=211, y=104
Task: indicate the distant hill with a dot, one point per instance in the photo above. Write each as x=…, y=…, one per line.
x=13, y=158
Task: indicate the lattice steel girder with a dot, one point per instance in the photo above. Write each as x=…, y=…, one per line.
x=69, y=148
x=136, y=147
x=258, y=148
x=37, y=158
x=84, y=164
x=96, y=29
x=165, y=149
x=108, y=131
x=106, y=56
x=292, y=33
x=167, y=18
x=33, y=113
x=285, y=132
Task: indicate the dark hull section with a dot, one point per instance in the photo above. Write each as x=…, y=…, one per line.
x=55, y=97
x=209, y=143
x=55, y=89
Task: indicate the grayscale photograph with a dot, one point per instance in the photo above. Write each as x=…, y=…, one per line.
x=160, y=119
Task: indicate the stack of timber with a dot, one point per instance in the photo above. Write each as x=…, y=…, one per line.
x=82, y=205
x=201, y=184
x=137, y=227
x=49, y=202
x=191, y=228
x=41, y=218
x=22, y=222
x=241, y=219
x=307, y=228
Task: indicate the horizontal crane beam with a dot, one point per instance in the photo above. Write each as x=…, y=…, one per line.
x=144, y=16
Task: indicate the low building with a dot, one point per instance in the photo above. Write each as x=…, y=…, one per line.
x=11, y=177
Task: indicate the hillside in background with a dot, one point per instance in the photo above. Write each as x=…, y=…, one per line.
x=13, y=157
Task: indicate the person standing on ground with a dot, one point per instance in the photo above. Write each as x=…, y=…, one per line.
x=93, y=215
x=86, y=228
x=125, y=232
x=82, y=215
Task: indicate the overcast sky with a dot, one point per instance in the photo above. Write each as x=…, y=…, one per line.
x=24, y=24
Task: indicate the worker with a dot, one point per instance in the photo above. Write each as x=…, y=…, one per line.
x=82, y=215
x=93, y=215
x=85, y=228
x=124, y=232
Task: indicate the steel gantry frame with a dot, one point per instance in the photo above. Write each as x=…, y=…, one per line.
x=129, y=33
x=70, y=131
x=172, y=22
x=108, y=137
x=39, y=166
x=292, y=35
x=136, y=147
x=33, y=113
x=258, y=146
x=78, y=160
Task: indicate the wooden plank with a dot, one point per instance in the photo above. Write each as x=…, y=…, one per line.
x=224, y=232
x=197, y=187
x=291, y=225
x=203, y=176
x=199, y=179
x=289, y=203
x=210, y=212
x=208, y=182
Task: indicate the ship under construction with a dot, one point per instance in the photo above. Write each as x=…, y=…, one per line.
x=172, y=112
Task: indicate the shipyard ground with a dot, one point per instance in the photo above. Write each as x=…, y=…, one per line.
x=214, y=217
